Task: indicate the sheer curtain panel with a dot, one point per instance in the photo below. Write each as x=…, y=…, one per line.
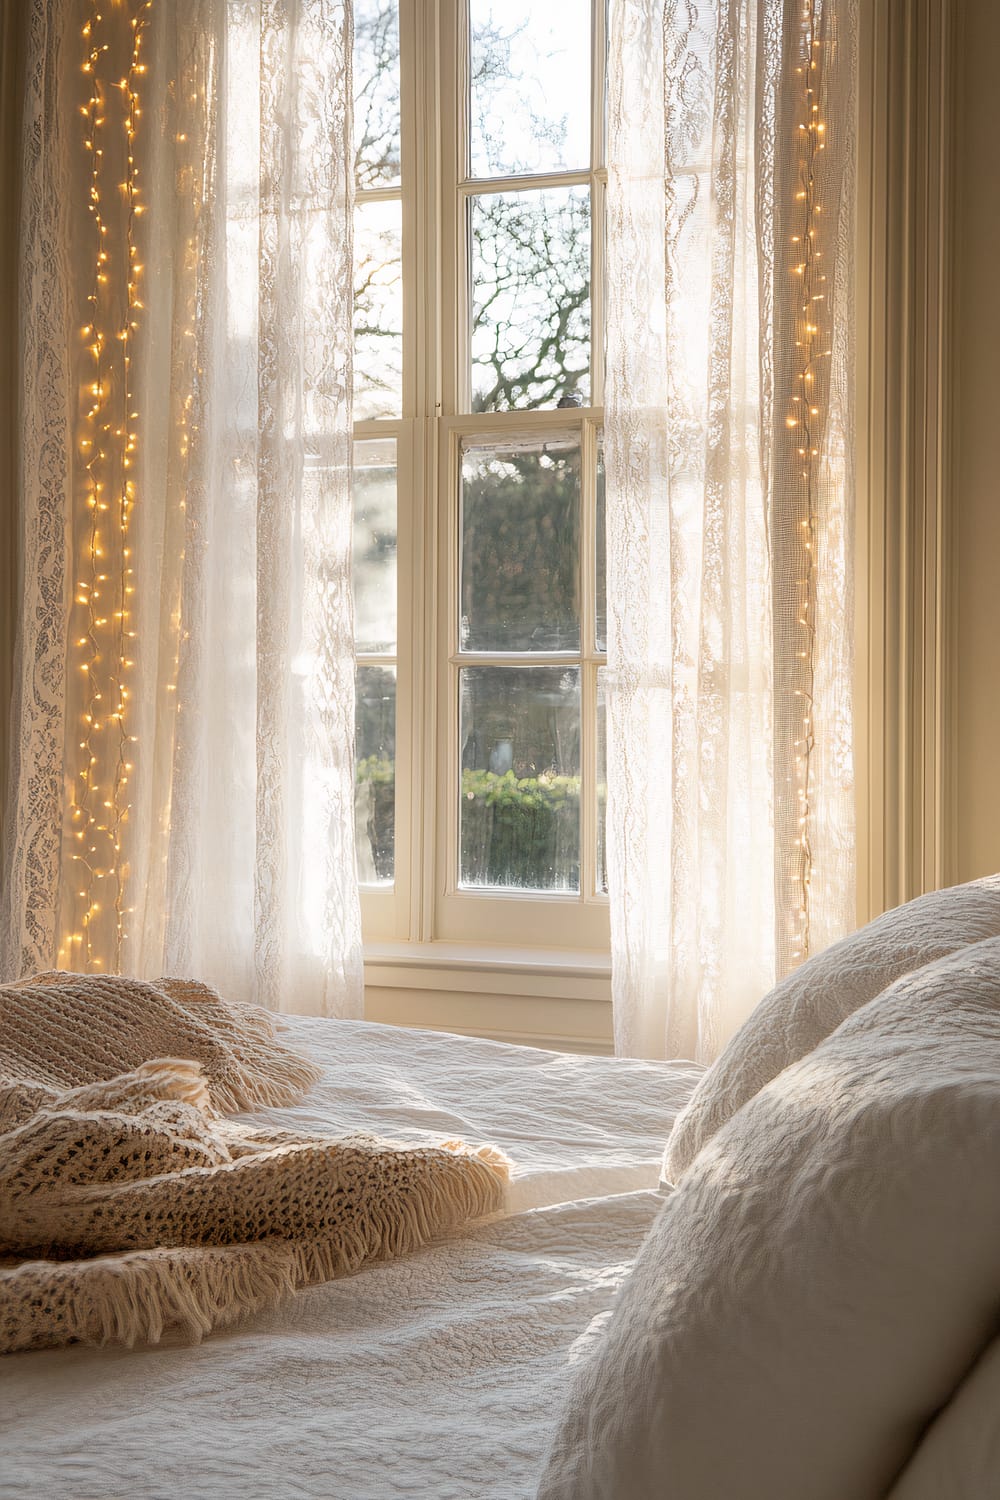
x=728, y=438
x=184, y=702
x=11, y=71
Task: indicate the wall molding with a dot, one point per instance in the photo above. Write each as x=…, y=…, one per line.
x=906, y=554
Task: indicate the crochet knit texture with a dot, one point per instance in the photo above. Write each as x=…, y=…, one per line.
x=129, y=1206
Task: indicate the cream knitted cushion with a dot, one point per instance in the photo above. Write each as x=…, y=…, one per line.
x=811, y=1002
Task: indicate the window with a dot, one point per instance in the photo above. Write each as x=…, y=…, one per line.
x=478, y=482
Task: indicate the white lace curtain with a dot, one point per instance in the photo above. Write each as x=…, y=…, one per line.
x=185, y=699
x=728, y=422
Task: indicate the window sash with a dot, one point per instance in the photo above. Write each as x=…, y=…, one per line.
x=426, y=903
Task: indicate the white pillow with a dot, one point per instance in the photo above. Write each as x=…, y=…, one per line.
x=823, y=1275
x=814, y=999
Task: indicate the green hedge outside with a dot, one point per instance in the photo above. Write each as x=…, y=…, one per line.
x=521, y=832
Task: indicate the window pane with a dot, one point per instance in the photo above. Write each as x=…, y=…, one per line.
x=530, y=70
x=520, y=794
x=376, y=92
x=375, y=774
x=602, y=783
x=520, y=547
x=601, y=557
x=531, y=299
x=373, y=570
x=378, y=310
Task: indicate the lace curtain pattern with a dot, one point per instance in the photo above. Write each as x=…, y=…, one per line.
x=184, y=706
x=728, y=422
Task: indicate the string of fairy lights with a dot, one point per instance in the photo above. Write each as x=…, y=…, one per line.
x=108, y=442
x=812, y=337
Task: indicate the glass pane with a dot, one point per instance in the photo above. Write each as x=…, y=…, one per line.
x=530, y=67
x=519, y=808
x=601, y=559
x=376, y=92
x=602, y=783
x=373, y=570
x=378, y=310
x=520, y=547
x=531, y=299
x=375, y=774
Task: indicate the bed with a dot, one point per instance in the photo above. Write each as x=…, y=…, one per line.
x=808, y=1310
x=437, y=1376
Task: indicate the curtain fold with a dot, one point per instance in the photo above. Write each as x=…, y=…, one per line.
x=728, y=430
x=12, y=29
x=185, y=699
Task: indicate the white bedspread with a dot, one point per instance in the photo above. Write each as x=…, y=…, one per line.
x=439, y=1376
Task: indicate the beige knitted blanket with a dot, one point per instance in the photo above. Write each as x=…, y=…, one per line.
x=129, y=1206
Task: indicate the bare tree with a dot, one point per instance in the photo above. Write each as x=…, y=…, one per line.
x=530, y=251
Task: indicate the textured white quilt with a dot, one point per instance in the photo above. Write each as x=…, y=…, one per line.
x=438, y=1376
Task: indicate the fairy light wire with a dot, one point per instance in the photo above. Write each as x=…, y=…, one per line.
x=127, y=433
x=88, y=593
x=805, y=421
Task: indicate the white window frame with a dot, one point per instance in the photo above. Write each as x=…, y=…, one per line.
x=498, y=955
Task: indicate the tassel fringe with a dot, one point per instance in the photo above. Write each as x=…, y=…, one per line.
x=193, y=1290
x=274, y=1083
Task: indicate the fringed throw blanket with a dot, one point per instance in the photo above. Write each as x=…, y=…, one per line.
x=129, y=1206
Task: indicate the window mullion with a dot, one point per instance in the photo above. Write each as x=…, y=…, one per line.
x=598, y=195
x=453, y=127
x=588, y=679
x=378, y=195
x=496, y=426
x=598, y=86
x=481, y=187
x=422, y=650
x=515, y=659
x=420, y=82
x=453, y=138
x=379, y=427
x=448, y=699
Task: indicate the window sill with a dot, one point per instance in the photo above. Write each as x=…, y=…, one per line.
x=556, y=998
x=475, y=958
